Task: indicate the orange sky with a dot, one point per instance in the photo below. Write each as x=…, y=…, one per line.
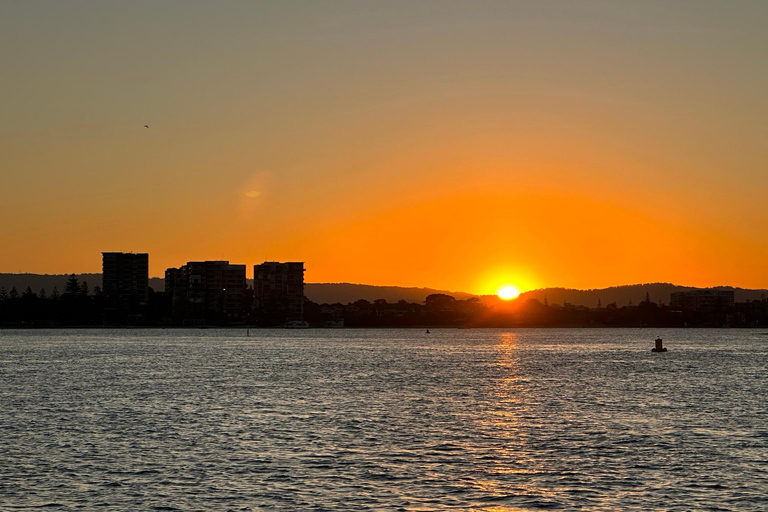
x=455, y=145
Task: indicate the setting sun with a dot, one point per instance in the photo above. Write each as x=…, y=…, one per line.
x=508, y=292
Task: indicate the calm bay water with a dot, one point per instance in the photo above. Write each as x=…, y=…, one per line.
x=493, y=420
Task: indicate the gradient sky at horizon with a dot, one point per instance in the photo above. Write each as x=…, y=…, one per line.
x=454, y=145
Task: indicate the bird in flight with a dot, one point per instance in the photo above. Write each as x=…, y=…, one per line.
x=146, y=126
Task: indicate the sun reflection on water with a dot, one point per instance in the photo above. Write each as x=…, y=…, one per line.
x=501, y=424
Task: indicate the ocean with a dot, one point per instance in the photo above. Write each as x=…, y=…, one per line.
x=373, y=419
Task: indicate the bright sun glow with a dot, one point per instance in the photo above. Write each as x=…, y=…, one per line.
x=508, y=292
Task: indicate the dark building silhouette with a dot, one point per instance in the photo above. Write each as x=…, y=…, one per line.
x=207, y=292
x=125, y=285
x=278, y=290
x=706, y=301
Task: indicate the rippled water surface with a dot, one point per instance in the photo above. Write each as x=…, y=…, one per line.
x=493, y=420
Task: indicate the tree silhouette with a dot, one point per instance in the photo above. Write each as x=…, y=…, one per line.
x=72, y=287
x=55, y=293
x=437, y=300
x=42, y=294
x=14, y=294
x=29, y=294
x=3, y=293
x=84, y=289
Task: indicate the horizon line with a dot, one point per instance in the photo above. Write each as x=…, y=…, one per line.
x=564, y=288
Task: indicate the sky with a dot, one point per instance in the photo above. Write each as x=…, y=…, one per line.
x=453, y=145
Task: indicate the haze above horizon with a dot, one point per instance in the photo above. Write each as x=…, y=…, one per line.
x=441, y=144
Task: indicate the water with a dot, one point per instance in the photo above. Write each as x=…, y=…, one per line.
x=492, y=420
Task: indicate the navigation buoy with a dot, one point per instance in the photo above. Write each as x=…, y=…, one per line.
x=658, y=347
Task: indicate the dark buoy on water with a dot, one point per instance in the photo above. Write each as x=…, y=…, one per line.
x=427, y=331
x=658, y=347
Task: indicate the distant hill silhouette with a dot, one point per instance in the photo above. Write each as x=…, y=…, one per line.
x=621, y=295
x=347, y=292
x=330, y=293
x=48, y=281
x=317, y=292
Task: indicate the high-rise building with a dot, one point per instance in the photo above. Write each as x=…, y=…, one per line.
x=125, y=284
x=278, y=289
x=207, y=292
